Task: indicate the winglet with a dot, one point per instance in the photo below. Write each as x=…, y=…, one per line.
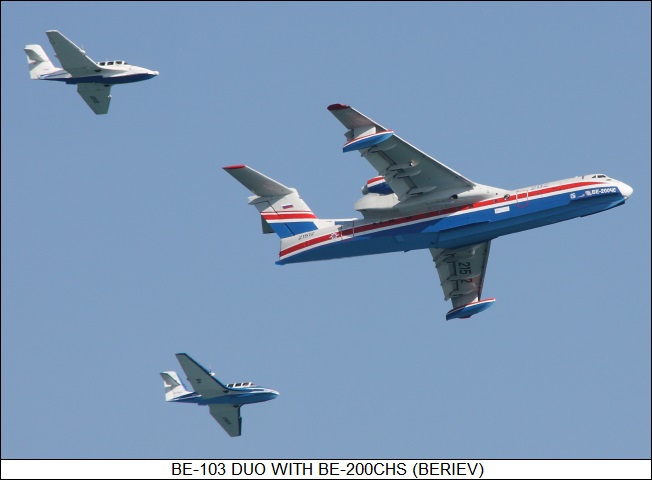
x=338, y=106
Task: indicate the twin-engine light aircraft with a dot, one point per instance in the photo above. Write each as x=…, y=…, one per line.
x=93, y=79
x=416, y=202
x=224, y=401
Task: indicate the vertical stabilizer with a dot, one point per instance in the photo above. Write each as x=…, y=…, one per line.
x=38, y=61
x=282, y=210
x=174, y=388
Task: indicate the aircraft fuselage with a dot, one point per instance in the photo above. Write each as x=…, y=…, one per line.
x=134, y=74
x=457, y=226
x=243, y=397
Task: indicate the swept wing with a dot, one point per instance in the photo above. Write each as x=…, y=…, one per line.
x=73, y=59
x=406, y=169
x=96, y=95
x=415, y=176
x=201, y=379
x=228, y=416
x=461, y=272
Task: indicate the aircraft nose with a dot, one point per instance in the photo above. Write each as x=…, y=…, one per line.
x=626, y=190
x=155, y=72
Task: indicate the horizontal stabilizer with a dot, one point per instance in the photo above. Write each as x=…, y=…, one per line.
x=35, y=53
x=170, y=379
x=256, y=182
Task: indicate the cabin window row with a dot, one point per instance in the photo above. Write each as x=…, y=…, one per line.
x=115, y=62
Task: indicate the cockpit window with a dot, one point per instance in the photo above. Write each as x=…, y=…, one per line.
x=240, y=384
x=116, y=62
x=599, y=175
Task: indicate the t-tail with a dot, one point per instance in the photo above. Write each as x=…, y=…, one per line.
x=281, y=208
x=174, y=388
x=38, y=61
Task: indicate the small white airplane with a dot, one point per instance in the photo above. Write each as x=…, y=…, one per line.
x=223, y=400
x=416, y=202
x=93, y=79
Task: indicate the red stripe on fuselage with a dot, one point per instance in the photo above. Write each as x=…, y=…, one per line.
x=310, y=243
x=436, y=213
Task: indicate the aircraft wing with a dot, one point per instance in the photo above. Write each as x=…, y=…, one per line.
x=73, y=59
x=407, y=170
x=201, y=379
x=461, y=272
x=96, y=95
x=228, y=416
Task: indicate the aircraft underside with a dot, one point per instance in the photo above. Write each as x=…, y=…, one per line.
x=237, y=398
x=102, y=80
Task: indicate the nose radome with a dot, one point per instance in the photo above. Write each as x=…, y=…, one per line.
x=626, y=190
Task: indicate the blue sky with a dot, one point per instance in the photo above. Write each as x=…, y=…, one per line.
x=124, y=241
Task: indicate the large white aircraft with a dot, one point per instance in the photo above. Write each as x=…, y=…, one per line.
x=93, y=79
x=416, y=202
x=223, y=400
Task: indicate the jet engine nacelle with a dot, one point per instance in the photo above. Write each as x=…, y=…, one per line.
x=377, y=185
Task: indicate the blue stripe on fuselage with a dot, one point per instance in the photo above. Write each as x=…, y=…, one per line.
x=460, y=229
x=240, y=398
x=103, y=80
x=233, y=398
x=290, y=229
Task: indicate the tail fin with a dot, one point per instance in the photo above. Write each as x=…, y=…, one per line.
x=281, y=208
x=174, y=388
x=38, y=61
